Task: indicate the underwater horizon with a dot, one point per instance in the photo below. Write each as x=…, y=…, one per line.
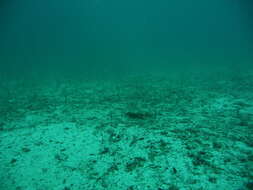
x=126, y=95
x=105, y=38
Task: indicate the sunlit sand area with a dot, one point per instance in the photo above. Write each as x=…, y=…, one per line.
x=147, y=132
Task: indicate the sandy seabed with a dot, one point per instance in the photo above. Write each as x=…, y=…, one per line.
x=148, y=132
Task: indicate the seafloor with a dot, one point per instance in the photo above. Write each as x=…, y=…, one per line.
x=181, y=132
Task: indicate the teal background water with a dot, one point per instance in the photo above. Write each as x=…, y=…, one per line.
x=97, y=37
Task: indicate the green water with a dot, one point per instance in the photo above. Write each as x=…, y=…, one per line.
x=98, y=37
x=126, y=95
